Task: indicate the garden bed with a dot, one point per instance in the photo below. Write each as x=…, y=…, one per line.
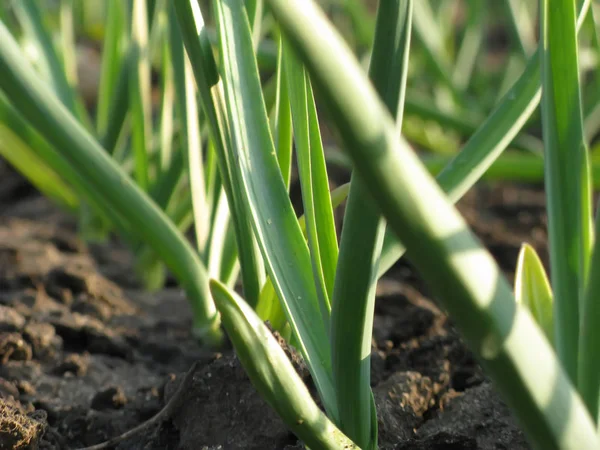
x=86, y=355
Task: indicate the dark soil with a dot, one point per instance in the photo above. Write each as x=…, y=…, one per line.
x=85, y=355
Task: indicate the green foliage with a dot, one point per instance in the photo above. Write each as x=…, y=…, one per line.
x=567, y=173
x=210, y=148
x=532, y=289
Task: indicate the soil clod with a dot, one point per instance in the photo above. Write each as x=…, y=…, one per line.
x=86, y=355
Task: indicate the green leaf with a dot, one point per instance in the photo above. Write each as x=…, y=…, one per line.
x=113, y=58
x=255, y=15
x=30, y=16
x=362, y=238
x=195, y=159
x=222, y=254
x=67, y=35
x=487, y=144
x=473, y=37
x=322, y=239
x=521, y=24
x=269, y=307
x=118, y=108
x=195, y=37
x=430, y=36
x=188, y=113
x=255, y=165
x=44, y=157
x=40, y=107
x=532, y=289
x=282, y=127
x=140, y=91
x=273, y=375
x=589, y=334
x=462, y=275
x=167, y=125
x=566, y=173
x=20, y=155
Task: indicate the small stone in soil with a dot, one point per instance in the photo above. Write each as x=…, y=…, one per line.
x=25, y=387
x=13, y=347
x=8, y=390
x=43, y=339
x=83, y=304
x=74, y=363
x=10, y=320
x=402, y=400
x=111, y=398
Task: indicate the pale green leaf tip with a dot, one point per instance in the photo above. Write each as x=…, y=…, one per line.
x=532, y=288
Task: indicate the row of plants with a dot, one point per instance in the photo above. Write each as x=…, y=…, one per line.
x=214, y=154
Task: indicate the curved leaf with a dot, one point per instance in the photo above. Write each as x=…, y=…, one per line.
x=460, y=272
x=273, y=375
x=37, y=104
x=255, y=167
x=532, y=289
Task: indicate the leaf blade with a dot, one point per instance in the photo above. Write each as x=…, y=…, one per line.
x=532, y=289
x=494, y=325
x=52, y=120
x=566, y=172
x=275, y=225
x=362, y=240
x=273, y=375
x=314, y=183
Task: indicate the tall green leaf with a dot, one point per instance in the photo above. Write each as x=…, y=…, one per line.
x=167, y=107
x=113, y=57
x=190, y=125
x=28, y=151
x=53, y=121
x=460, y=272
x=320, y=227
x=470, y=44
x=589, y=334
x=255, y=10
x=283, y=247
x=282, y=127
x=67, y=35
x=140, y=92
x=566, y=173
x=197, y=44
x=362, y=239
x=30, y=16
x=269, y=307
x=521, y=24
x=274, y=376
x=16, y=146
x=488, y=142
